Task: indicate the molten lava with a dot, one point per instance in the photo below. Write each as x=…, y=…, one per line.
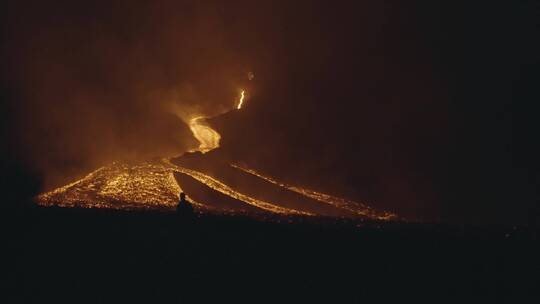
x=227, y=190
x=241, y=101
x=150, y=185
x=153, y=185
x=338, y=202
x=207, y=137
x=120, y=186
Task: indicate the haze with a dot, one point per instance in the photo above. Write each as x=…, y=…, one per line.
x=408, y=106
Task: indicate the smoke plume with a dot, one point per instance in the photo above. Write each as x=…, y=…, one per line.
x=105, y=81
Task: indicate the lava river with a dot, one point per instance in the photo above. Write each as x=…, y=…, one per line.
x=210, y=186
x=156, y=185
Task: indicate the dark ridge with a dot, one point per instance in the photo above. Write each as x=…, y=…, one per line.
x=98, y=256
x=214, y=199
x=259, y=188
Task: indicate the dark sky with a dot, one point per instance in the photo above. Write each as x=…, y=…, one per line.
x=426, y=108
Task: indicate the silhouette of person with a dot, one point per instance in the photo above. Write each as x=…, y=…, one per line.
x=184, y=207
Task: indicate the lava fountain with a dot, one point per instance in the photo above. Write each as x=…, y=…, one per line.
x=241, y=101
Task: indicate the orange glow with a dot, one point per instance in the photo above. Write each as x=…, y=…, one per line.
x=149, y=185
x=152, y=185
x=338, y=202
x=242, y=95
x=227, y=190
x=207, y=137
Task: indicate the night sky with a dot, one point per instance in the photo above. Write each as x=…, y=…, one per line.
x=425, y=108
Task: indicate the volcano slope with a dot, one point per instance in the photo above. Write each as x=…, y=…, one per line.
x=266, y=189
x=212, y=180
x=336, y=251
x=211, y=183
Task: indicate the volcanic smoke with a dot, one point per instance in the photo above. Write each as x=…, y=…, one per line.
x=155, y=185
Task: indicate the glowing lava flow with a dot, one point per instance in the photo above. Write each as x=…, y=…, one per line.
x=354, y=207
x=207, y=137
x=223, y=188
x=242, y=96
x=152, y=185
x=148, y=185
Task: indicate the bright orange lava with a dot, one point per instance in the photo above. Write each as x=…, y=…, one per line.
x=152, y=185
x=242, y=96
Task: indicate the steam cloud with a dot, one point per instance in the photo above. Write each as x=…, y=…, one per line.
x=109, y=81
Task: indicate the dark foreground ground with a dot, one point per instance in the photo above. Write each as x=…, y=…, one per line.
x=99, y=256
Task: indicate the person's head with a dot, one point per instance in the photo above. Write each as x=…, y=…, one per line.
x=182, y=196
